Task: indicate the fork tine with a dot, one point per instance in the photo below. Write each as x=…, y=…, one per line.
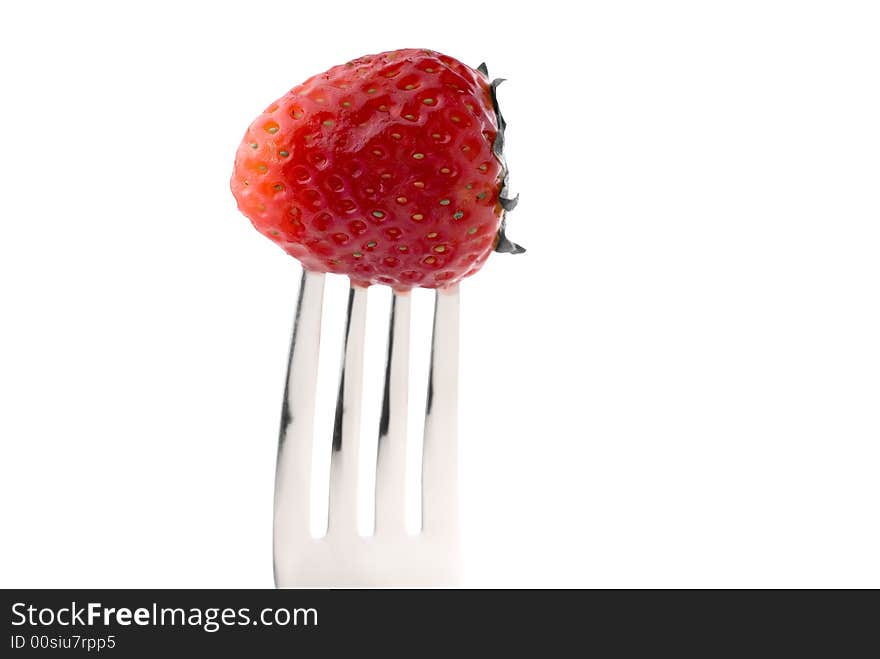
x=440, y=454
x=294, y=462
x=391, y=457
x=347, y=426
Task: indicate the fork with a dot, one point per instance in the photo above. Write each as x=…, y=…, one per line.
x=390, y=556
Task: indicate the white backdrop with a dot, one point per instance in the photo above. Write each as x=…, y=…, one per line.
x=677, y=385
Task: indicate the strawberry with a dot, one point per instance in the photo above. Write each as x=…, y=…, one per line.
x=387, y=169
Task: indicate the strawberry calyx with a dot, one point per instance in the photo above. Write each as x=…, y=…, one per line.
x=502, y=243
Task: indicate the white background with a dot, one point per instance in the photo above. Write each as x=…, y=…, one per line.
x=678, y=384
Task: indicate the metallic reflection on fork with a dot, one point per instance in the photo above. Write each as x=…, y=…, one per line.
x=389, y=557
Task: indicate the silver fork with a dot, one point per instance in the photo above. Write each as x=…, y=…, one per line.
x=390, y=556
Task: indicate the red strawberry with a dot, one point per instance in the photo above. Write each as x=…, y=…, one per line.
x=387, y=169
